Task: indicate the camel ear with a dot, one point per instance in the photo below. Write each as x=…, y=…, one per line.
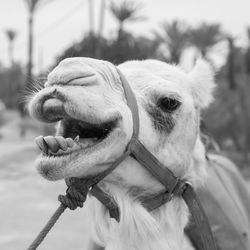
x=202, y=78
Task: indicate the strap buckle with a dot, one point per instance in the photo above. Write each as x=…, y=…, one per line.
x=179, y=188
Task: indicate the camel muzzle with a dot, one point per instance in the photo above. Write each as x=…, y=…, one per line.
x=53, y=110
x=49, y=106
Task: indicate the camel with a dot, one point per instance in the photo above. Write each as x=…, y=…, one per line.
x=86, y=98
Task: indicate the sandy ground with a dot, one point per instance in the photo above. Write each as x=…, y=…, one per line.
x=27, y=200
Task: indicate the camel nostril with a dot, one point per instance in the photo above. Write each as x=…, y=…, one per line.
x=53, y=110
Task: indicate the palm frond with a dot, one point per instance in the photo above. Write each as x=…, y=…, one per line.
x=206, y=36
x=126, y=11
x=174, y=37
x=11, y=34
x=33, y=4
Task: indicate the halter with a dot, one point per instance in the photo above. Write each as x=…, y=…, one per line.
x=174, y=186
x=200, y=232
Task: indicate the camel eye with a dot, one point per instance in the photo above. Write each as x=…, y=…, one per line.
x=168, y=104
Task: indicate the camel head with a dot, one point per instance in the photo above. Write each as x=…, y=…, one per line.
x=86, y=98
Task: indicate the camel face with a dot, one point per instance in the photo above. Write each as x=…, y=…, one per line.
x=94, y=120
x=95, y=123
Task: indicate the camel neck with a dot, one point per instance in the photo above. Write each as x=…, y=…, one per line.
x=162, y=229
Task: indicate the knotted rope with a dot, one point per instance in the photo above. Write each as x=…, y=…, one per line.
x=75, y=197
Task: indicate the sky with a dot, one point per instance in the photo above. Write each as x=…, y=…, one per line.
x=59, y=23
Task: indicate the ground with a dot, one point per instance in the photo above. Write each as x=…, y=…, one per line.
x=27, y=200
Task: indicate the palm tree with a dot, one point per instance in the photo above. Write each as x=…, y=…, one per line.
x=102, y=17
x=32, y=7
x=11, y=35
x=175, y=38
x=231, y=71
x=32, y=4
x=205, y=36
x=247, y=72
x=127, y=11
x=247, y=55
x=100, y=29
x=91, y=16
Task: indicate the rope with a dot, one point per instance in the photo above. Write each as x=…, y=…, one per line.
x=38, y=240
x=75, y=197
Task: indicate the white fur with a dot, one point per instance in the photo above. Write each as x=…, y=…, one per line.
x=180, y=150
x=138, y=229
x=202, y=78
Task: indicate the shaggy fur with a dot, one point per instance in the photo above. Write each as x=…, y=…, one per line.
x=92, y=92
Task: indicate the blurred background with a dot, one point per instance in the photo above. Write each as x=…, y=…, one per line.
x=36, y=34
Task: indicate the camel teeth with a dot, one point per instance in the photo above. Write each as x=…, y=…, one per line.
x=77, y=139
x=62, y=142
x=70, y=142
x=52, y=143
x=55, y=144
x=41, y=144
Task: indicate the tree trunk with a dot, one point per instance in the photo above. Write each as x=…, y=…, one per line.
x=244, y=115
x=204, y=53
x=235, y=138
x=230, y=65
x=100, y=30
x=91, y=16
x=11, y=58
x=175, y=57
x=30, y=52
x=120, y=32
x=29, y=75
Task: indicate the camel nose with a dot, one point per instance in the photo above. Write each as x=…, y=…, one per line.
x=53, y=110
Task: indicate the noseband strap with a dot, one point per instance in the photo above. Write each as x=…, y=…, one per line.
x=174, y=186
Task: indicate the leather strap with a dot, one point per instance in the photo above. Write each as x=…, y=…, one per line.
x=174, y=186
x=155, y=167
x=206, y=240
x=132, y=104
x=108, y=202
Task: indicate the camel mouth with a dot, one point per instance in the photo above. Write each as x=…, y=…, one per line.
x=76, y=135
x=85, y=130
